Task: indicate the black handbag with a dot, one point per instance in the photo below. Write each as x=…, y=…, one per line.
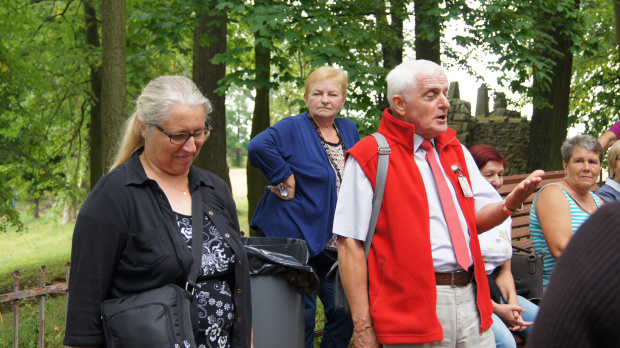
x=161, y=317
x=527, y=271
x=340, y=298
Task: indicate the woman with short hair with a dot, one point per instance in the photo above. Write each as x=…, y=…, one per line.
x=302, y=158
x=561, y=207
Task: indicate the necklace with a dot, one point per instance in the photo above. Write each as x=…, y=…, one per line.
x=581, y=205
x=587, y=210
x=173, y=185
x=326, y=146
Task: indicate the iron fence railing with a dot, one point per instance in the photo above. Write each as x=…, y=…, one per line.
x=17, y=296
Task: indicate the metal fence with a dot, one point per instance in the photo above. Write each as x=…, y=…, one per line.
x=17, y=296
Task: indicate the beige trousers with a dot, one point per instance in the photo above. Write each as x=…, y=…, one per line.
x=458, y=314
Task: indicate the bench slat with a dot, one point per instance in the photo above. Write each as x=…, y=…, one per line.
x=520, y=232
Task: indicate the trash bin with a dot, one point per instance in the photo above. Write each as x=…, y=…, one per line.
x=280, y=276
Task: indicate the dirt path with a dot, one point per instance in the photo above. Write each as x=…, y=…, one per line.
x=238, y=181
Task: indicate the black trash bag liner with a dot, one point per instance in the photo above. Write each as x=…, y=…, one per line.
x=287, y=257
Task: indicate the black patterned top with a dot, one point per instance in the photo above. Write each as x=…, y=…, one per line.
x=216, y=308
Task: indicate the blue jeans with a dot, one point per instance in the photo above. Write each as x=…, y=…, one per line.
x=503, y=336
x=338, y=327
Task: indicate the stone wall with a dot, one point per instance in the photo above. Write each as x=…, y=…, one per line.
x=503, y=129
x=510, y=138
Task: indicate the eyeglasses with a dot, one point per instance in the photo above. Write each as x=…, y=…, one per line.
x=182, y=138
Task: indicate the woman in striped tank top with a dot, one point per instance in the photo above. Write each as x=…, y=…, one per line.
x=561, y=207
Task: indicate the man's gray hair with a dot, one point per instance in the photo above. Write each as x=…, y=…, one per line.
x=403, y=79
x=588, y=142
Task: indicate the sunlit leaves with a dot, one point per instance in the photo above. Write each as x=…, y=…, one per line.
x=595, y=101
x=44, y=93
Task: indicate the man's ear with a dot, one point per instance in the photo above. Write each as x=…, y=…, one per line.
x=399, y=105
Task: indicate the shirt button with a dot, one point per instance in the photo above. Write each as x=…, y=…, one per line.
x=210, y=213
x=238, y=320
x=238, y=291
x=227, y=235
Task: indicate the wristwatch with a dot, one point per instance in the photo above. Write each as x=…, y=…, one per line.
x=508, y=211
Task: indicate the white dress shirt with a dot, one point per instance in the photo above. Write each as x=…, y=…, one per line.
x=354, y=207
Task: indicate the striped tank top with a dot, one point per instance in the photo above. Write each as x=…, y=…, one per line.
x=578, y=217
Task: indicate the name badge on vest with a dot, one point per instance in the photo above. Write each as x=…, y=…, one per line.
x=463, y=181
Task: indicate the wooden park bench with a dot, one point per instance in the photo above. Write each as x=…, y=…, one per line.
x=521, y=220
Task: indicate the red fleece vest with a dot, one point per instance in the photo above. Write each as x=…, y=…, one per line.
x=402, y=288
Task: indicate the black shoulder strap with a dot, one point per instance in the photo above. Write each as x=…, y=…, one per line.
x=196, y=239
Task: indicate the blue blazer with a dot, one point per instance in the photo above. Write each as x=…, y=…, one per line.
x=292, y=146
x=608, y=194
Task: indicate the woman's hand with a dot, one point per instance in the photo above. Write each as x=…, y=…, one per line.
x=511, y=316
x=289, y=185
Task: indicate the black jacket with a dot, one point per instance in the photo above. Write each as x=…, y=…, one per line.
x=126, y=241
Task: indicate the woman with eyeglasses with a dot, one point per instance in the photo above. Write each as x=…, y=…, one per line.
x=610, y=192
x=134, y=231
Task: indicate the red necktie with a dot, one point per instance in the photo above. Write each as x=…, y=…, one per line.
x=449, y=210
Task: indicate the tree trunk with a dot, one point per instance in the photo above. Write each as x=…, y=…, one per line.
x=391, y=38
x=210, y=40
x=549, y=124
x=427, y=30
x=95, y=129
x=113, y=76
x=260, y=122
x=35, y=209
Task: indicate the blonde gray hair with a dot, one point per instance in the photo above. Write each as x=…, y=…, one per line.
x=152, y=108
x=324, y=73
x=612, y=157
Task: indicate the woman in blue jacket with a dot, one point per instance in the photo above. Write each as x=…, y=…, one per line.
x=302, y=157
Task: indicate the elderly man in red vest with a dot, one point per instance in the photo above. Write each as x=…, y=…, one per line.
x=424, y=284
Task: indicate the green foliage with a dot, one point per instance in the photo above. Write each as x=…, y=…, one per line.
x=43, y=99
x=302, y=37
x=238, y=121
x=517, y=32
x=159, y=36
x=596, y=79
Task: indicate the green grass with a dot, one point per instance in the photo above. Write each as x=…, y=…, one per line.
x=29, y=323
x=242, y=212
x=43, y=242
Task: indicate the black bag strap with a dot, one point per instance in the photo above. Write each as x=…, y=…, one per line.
x=525, y=250
x=196, y=239
x=382, y=168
